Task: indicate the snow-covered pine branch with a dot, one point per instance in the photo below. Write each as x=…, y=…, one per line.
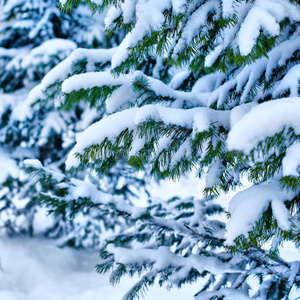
x=211, y=86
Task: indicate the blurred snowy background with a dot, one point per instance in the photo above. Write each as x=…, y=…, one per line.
x=36, y=268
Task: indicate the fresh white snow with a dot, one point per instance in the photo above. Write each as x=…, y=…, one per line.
x=247, y=206
x=264, y=120
x=35, y=269
x=291, y=161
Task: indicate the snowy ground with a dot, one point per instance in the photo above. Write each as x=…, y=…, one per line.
x=35, y=269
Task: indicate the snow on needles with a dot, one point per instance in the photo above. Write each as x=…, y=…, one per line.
x=90, y=80
x=65, y=69
x=148, y=13
x=199, y=119
x=163, y=257
x=250, y=123
x=196, y=20
x=264, y=120
x=289, y=82
x=291, y=161
x=265, y=15
x=228, y=8
x=256, y=19
x=246, y=208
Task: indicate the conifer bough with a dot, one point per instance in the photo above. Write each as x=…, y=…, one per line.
x=211, y=86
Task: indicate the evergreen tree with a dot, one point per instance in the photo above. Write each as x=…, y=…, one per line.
x=35, y=37
x=211, y=86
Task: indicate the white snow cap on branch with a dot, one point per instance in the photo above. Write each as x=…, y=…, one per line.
x=291, y=161
x=289, y=82
x=163, y=257
x=90, y=80
x=264, y=15
x=64, y=69
x=247, y=207
x=228, y=8
x=199, y=119
x=149, y=15
x=264, y=120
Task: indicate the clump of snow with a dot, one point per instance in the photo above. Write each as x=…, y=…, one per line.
x=291, y=161
x=178, y=79
x=124, y=95
x=289, y=82
x=54, y=121
x=194, y=23
x=98, y=2
x=239, y=111
x=213, y=173
x=256, y=20
x=33, y=163
x=183, y=151
x=58, y=47
x=64, y=69
x=8, y=52
x=251, y=75
x=178, y=6
x=220, y=93
x=53, y=46
x=128, y=8
x=16, y=100
x=295, y=268
x=90, y=80
x=264, y=15
x=281, y=53
x=95, y=134
x=281, y=214
x=247, y=206
x=228, y=8
x=85, y=189
x=111, y=15
x=149, y=17
x=136, y=146
x=163, y=257
x=212, y=56
x=40, y=25
x=264, y=120
x=225, y=293
x=208, y=83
